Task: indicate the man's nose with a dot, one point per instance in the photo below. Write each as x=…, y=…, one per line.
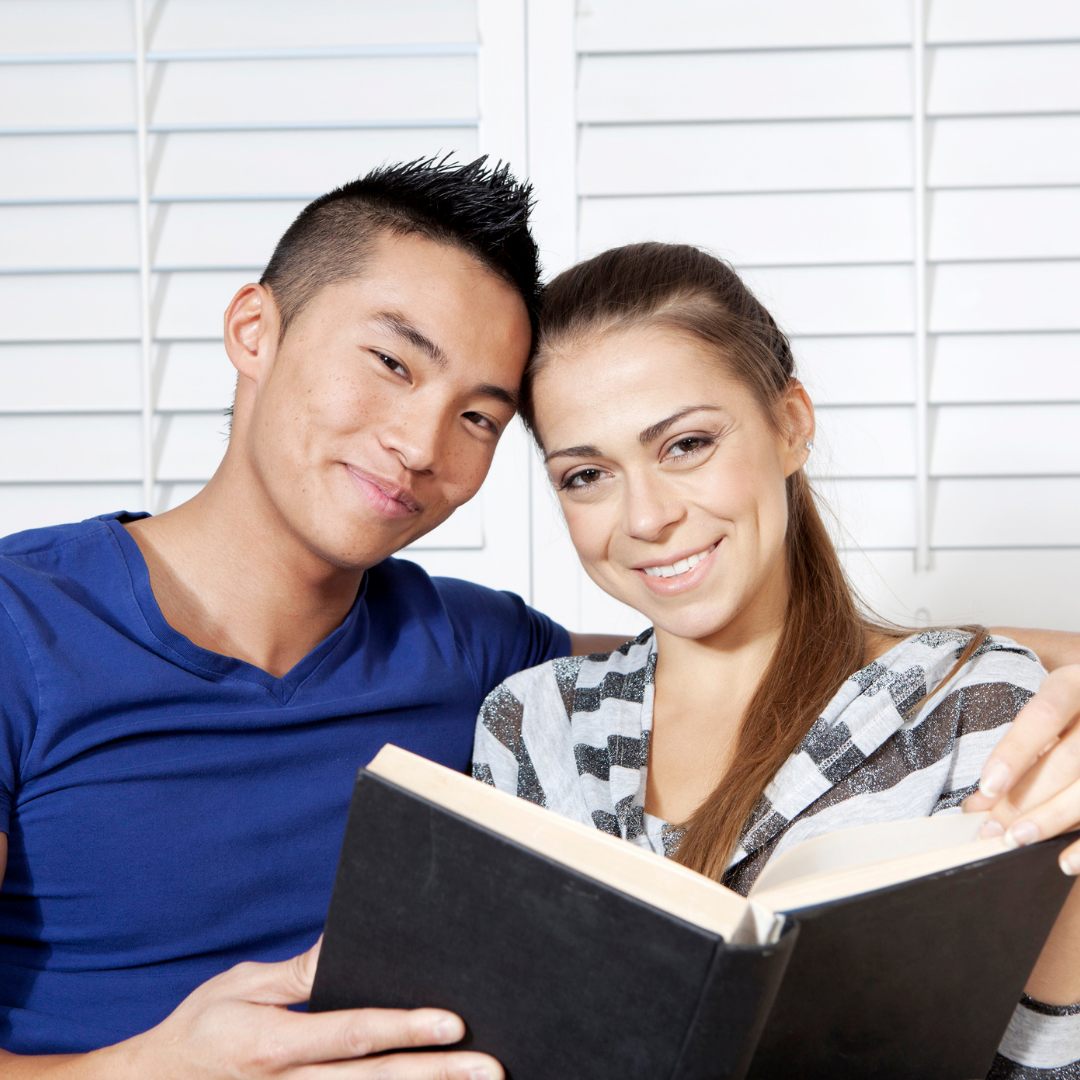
x=415, y=437
x=650, y=507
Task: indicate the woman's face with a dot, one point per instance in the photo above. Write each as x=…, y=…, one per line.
x=672, y=479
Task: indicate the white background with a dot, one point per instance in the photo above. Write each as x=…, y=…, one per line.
x=883, y=217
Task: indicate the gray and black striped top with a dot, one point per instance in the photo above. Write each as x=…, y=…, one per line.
x=573, y=735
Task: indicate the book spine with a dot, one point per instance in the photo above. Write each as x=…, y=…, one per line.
x=735, y=1001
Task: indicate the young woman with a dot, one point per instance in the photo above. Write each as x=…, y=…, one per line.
x=762, y=707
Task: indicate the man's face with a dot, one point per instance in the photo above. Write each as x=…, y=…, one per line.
x=381, y=409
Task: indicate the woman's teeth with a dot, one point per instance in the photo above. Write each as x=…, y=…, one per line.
x=680, y=567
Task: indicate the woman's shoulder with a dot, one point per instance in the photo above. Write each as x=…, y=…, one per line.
x=923, y=679
x=580, y=683
x=936, y=653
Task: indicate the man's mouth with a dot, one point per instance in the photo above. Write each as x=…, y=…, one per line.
x=384, y=496
x=680, y=566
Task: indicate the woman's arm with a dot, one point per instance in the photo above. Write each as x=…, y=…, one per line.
x=1056, y=978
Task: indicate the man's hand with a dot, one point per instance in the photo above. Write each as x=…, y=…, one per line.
x=236, y=1026
x=1031, y=782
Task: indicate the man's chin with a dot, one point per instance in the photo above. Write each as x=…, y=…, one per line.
x=344, y=552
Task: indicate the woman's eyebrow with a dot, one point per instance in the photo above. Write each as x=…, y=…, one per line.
x=573, y=451
x=661, y=426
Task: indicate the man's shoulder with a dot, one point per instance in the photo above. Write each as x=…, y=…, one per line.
x=409, y=584
x=52, y=542
x=495, y=630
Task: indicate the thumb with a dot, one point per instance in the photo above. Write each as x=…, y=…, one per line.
x=287, y=982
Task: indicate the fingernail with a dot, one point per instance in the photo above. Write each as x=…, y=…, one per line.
x=447, y=1031
x=481, y=1072
x=994, y=778
x=1069, y=866
x=1022, y=834
x=990, y=829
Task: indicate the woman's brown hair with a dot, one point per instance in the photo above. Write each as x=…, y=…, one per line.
x=825, y=632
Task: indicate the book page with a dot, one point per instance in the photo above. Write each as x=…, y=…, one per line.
x=866, y=844
x=851, y=881
x=639, y=873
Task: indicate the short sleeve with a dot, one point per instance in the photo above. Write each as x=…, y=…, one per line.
x=1042, y=1042
x=499, y=632
x=18, y=697
x=978, y=708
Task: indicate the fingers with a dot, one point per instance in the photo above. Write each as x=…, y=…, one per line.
x=1052, y=711
x=1056, y=815
x=1053, y=775
x=285, y=983
x=1070, y=859
x=431, y=1066
x=309, y=1038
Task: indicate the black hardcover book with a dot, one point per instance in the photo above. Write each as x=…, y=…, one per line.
x=570, y=953
x=916, y=980
x=556, y=974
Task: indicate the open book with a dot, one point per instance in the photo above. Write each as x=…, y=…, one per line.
x=897, y=949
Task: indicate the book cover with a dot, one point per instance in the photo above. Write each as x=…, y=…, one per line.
x=555, y=974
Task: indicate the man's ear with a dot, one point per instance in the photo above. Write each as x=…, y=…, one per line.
x=252, y=322
x=798, y=414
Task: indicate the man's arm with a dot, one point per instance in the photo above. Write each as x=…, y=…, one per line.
x=1055, y=648
x=584, y=644
x=236, y=1025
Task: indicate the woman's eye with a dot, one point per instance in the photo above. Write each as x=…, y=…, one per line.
x=584, y=478
x=688, y=445
x=395, y=366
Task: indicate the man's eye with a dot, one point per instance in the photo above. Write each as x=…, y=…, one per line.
x=395, y=366
x=480, y=421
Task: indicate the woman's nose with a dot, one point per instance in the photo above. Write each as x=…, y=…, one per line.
x=651, y=507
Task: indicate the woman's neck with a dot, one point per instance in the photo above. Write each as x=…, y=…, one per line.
x=702, y=691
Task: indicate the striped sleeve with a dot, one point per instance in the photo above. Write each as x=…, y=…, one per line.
x=500, y=756
x=1042, y=1042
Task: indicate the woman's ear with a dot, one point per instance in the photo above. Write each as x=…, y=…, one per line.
x=798, y=413
x=252, y=322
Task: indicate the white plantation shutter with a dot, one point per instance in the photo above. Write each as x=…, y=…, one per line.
x=786, y=136
x=919, y=239
x=252, y=109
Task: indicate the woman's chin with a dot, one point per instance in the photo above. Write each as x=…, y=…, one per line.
x=689, y=626
x=692, y=620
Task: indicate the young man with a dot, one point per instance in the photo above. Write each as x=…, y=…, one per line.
x=185, y=699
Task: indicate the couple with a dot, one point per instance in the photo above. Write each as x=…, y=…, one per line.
x=185, y=699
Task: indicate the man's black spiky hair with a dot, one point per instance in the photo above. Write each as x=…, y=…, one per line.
x=483, y=210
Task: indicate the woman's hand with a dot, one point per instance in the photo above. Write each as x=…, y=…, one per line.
x=1031, y=782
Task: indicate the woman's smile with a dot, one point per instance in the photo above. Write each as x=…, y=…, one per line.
x=681, y=574
x=671, y=477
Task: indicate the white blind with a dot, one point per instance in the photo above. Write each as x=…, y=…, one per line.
x=252, y=109
x=918, y=237
x=879, y=216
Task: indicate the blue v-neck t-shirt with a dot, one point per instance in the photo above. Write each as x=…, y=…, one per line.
x=171, y=811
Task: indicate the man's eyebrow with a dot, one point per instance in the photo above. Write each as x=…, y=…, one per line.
x=573, y=451
x=397, y=325
x=499, y=393
x=661, y=426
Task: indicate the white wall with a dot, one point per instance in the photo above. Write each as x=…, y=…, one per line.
x=930, y=283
